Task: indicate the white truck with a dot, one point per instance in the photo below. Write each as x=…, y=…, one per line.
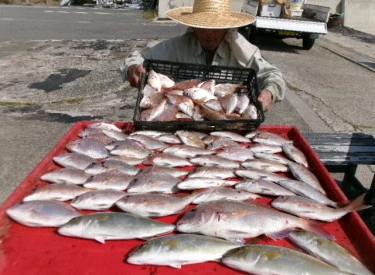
x=278, y=19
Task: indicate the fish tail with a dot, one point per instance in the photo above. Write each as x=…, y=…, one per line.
x=358, y=204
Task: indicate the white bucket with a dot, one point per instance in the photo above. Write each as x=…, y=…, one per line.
x=295, y=4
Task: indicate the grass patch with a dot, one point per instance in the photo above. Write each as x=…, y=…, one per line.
x=71, y=101
x=150, y=14
x=15, y=104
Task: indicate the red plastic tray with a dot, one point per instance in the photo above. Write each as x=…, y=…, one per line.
x=26, y=250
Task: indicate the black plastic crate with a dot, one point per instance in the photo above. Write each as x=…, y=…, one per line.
x=221, y=74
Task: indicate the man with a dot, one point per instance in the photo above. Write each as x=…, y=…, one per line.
x=211, y=38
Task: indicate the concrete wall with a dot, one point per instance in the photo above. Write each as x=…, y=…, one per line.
x=360, y=15
x=336, y=6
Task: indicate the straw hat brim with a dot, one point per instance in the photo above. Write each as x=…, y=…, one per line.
x=210, y=20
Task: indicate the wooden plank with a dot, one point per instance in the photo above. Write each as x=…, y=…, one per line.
x=366, y=150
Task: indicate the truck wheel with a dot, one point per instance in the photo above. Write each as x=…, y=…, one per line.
x=307, y=43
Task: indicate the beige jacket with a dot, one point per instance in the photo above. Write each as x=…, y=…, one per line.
x=234, y=50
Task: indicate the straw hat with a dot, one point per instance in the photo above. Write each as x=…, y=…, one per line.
x=210, y=14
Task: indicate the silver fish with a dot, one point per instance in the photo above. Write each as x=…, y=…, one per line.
x=229, y=103
x=99, y=137
x=180, y=249
x=307, y=208
x=200, y=182
x=175, y=172
x=328, y=251
x=237, y=153
x=265, y=165
x=90, y=131
x=235, y=220
x=66, y=175
x=56, y=191
x=191, y=138
x=263, y=187
x=169, y=138
x=250, y=112
x=264, y=148
x=42, y=213
x=222, y=193
x=303, y=174
x=151, y=100
x=113, y=179
x=149, y=90
x=210, y=114
x=256, y=174
x=89, y=147
x=306, y=190
x=276, y=260
x=185, y=104
x=214, y=105
x=153, y=205
x=198, y=95
x=214, y=161
x=154, y=181
x=149, y=143
x=295, y=154
x=129, y=148
x=232, y=135
x=113, y=226
x=166, y=82
x=213, y=172
x=269, y=138
x=167, y=160
x=208, y=85
x=186, y=151
x=243, y=102
x=104, y=126
x=223, y=89
x=112, y=164
x=74, y=160
x=272, y=157
x=154, y=80
x=126, y=160
x=221, y=142
x=97, y=199
x=151, y=133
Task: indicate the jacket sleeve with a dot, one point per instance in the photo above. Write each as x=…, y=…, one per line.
x=164, y=50
x=135, y=57
x=269, y=77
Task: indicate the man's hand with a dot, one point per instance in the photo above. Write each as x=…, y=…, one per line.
x=134, y=75
x=265, y=98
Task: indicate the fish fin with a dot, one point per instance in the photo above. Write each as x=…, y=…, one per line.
x=316, y=227
x=175, y=265
x=100, y=239
x=358, y=203
x=279, y=235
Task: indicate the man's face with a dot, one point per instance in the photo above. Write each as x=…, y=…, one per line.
x=210, y=39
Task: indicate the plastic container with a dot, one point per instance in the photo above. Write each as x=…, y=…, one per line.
x=296, y=13
x=42, y=251
x=270, y=10
x=295, y=5
x=221, y=74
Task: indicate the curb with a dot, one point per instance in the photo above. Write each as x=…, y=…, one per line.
x=347, y=53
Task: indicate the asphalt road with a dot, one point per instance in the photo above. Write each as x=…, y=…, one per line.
x=61, y=65
x=77, y=22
